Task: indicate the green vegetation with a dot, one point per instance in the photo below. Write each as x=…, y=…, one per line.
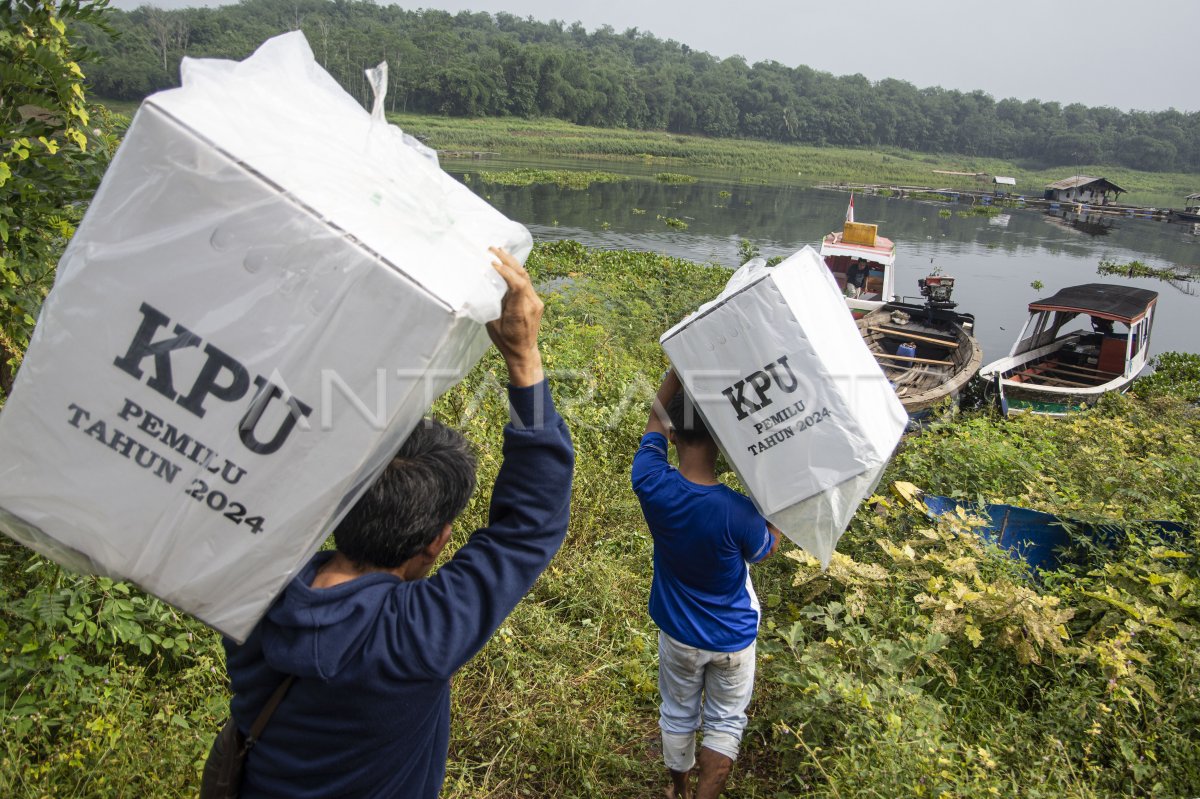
x=747, y=250
x=483, y=65
x=931, y=665
x=53, y=150
x=1175, y=374
x=674, y=177
x=759, y=160
x=563, y=178
x=933, y=196
x=672, y=222
x=1139, y=269
x=923, y=663
x=979, y=210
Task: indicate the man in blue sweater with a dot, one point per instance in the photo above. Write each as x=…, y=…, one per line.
x=701, y=597
x=371, y=639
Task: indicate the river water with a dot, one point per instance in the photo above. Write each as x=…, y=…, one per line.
x=995, y=260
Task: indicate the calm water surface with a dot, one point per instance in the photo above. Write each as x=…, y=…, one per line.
x=995, y=259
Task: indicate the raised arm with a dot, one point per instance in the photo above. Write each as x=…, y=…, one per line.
x=453, y=613
x=658, y=421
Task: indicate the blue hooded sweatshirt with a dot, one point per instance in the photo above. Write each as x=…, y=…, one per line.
x=369, y=712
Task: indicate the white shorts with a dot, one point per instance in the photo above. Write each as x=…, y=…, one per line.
x=702, y=690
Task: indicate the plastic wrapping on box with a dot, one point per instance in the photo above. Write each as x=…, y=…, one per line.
x=268, y=291
x=789, y=390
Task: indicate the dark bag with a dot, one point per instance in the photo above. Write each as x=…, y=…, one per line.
x=222, y=777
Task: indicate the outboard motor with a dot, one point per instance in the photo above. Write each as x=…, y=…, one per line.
x=936, y=289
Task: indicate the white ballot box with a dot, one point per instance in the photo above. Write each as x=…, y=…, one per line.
x=268, y=291
x=792, y=395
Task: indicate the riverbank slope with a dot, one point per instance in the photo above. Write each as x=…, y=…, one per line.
x=922, y=663
x=768, y=161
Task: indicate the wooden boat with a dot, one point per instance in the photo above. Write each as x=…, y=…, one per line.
x=926, y=351
x=1058, y=365
x=1191, y=209
x=857, y=249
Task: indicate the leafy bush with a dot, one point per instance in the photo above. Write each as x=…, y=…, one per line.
x=53, y=150
x=103, y=690
x=927, y=663
x=1175, y=374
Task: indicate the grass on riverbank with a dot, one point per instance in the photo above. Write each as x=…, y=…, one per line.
x=516, y=137
x=922, y=664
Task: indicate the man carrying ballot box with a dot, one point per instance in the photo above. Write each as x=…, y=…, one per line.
x=701, y=597
x=370, y=640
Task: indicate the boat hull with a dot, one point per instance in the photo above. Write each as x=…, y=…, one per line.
x=1050, y=381
x=944, y=355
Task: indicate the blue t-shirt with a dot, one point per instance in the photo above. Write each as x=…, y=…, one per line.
x=703, y=537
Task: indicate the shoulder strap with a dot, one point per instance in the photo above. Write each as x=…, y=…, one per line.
x=261, y=722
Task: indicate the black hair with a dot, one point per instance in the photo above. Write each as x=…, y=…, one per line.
x=427, y=484
x=686, y=421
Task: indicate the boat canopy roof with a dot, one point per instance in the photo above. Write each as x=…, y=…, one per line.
x=1105, y=300
x=1192, y=197
x=884, y=251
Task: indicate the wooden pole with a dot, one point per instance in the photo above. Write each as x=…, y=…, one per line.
x=911, y=359
x=905, y=334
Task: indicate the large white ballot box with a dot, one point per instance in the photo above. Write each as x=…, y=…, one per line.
x=269, y=290
x=793, y=397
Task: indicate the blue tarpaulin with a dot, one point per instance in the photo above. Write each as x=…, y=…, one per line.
x=1039, y=538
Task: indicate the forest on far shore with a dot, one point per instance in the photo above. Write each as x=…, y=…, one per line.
x=479, y=64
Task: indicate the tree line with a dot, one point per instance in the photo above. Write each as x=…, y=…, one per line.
x=478, y=64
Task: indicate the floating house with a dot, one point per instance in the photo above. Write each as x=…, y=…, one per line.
x=1083, y=189
x=1003, y=185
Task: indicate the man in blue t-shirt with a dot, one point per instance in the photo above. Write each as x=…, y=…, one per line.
x=701, y=598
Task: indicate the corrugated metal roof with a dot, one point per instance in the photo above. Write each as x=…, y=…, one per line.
x=1077, y=181
x=1005, y=181
x=1072, y=182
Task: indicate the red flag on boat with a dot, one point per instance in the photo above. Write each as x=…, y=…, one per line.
x=850, y=210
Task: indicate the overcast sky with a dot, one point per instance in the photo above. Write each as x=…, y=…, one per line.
x=1130, y=54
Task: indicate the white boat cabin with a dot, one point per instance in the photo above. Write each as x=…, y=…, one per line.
x=861, y=262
